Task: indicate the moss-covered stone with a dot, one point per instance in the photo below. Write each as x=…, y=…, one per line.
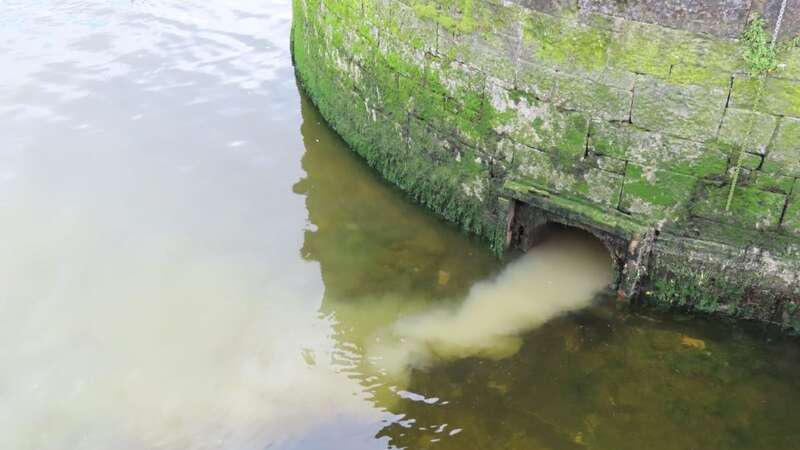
x=597, y=99
x=748, y=130
x=550, y=173
x=778, y=96
x=783, y=155
x=791, y=220
x=638, y=48
x=692, y=112
x=769, y=182
x=698, y=75
x=648, y=149
x=656, y=194
x=750, y=208
x=781, y=97
x=539, y=125
x=561, y=42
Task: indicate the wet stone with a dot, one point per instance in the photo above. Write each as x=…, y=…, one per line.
x=655, y=193
x=750, y=208
x=692, y=112
x=748, y=130
x=720, y=17
x=783, y=155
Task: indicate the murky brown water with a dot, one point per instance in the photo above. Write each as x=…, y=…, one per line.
x=192, y=260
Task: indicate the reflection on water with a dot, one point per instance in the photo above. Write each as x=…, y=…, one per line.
x=192, y=260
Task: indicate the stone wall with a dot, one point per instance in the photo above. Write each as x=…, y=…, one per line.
x=624, y=118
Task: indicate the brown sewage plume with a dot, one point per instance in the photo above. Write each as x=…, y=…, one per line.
x=562, y=274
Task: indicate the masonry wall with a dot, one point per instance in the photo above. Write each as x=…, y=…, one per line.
x=625, y=118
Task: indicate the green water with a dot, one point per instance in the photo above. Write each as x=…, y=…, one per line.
x=606, y=377
x=193, y=260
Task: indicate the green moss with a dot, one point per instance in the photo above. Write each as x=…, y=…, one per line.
x=441, y=184
x=655, y=193
x=558, y=40
x=750, y=208
x=698, y=75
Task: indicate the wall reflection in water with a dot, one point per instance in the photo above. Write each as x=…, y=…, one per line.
x=462, y=369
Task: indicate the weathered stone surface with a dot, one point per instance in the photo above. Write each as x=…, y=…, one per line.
x=539, y=125
x=599, y=100
x=549, y=6
x=750, y=208
x=656, y=194
x=791, y=220
x=606, y=163
x=748, y=130
x=561, y=43
x=721, y=17
x=750, y=161
x=691, y=112
x=783, y=155
x=701, y=76
x=636, y=48
x=536, y=80
x=649, y=149
x=790, y=26
x=781, y=97
x=548, y=172
x=778, y=96
x=789, y=64
x=769, y=182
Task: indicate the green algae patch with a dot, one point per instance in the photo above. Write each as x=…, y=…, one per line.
x=656, y=194
x=751, y=208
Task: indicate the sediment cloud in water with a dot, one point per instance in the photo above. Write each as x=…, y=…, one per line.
x=561, y=275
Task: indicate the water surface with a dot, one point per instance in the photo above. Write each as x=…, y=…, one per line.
x=191, y=259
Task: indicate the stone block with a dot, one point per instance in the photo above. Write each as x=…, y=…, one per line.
x=692, y=112
x=790, y=26
x=548, y=6
x=537, y=80
x=769, y=182
x=607, y=163
x=564, y=43
x=719, y=17
x=403, y=23
x=698, y=75
x=751, y=161
x=779, y=96
x=704, y=51
x=639, y=48
x=609, y=76
x=783, y=153
x=791, y=220
x=789, y=64
x=656, y=194
x=644, y=148
x=599, y=100
x=598, y=186
x=750, y=208
x=540, y=125
x=743, y=92
x=546, y=171
x=748, y=130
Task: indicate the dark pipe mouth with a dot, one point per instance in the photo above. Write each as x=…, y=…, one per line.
x=530, y=236
x=529, y=226
x=549, y=230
